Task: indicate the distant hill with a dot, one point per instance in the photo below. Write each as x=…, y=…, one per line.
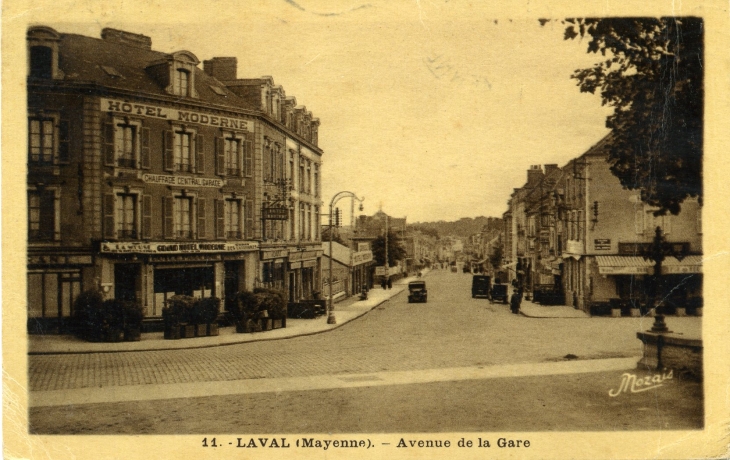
x=463, y=227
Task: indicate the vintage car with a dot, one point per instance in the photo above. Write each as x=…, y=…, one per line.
x=417, y=291
x=499, y=292
x=480, y=285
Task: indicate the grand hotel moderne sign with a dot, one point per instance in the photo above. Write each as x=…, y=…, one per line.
x=170, y=114
x=177, y=248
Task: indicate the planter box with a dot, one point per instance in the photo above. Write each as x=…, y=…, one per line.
x=266, y=324
x=615, y=312
x=240, y=327
x=201, y=330
x=680, y=312
x=133, y=334
x=698, y=311
x=212, y=329
x=635, y=313
x=172, y=332
x=114, y=335
x=278, y=323
x=187, y=331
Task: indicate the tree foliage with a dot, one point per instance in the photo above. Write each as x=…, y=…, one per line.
x=652, y=77
x=396, y=251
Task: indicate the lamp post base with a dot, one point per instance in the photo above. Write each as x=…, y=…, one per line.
x=331, y=318
x=659, y=324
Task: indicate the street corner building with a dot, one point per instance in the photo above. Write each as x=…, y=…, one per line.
x=574, y=236
x=149, y=177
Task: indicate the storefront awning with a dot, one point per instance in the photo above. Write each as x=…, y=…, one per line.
x=624, y=265
x=689, y=264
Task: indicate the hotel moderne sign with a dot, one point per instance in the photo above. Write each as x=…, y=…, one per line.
x=177, y=248
x=175, y=115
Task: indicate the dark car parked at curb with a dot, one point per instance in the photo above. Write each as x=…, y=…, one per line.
x=499, y=292
x=417, y=291
x=480, y=285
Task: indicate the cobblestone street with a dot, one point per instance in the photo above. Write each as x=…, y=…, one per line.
x=451, y=330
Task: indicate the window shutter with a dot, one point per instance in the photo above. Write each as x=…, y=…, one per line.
x=167, y=142
x=110, y=230
x=145, y=148
x=201, y=218
x=219, y=220
x=167, y=212
x=63, y=142
x=248, y=158
x=48, y=215
x=109, y=144
x=220, y=160
x=200, y=159
x=248, y=212
x=146, y=216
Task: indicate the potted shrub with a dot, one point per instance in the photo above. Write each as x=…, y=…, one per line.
x=197, y=318
x=243, y=312
x=133, y=316
x=184, y=306
x=87, y=315
x=273, y=302
x=210, y=308
x=174, y=316
x=112, y=320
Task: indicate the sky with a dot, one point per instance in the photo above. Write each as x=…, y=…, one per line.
x=429, y=110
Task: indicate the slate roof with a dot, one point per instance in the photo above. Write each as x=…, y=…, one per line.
x=93, y=60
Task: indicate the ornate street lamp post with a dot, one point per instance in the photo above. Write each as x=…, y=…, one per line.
x=345, y=194
x=657, y=252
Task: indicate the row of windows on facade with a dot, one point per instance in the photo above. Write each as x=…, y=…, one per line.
x=129, y=216
x=274, y=168
x=127, y=145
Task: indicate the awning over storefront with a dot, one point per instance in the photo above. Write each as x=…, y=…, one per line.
x=689, y=264
x=624, y=265
x=634, y=265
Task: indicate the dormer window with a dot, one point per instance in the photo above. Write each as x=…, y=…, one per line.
x=41, y=62
x=176, y=73
x=181, y=85
x=43, y=53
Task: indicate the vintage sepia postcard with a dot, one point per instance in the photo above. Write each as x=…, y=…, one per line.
x=368, y=229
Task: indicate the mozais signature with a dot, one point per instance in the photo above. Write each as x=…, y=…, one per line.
x=631, y=384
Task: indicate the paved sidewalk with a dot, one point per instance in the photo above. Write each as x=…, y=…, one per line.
x=533, y=310
x=345, y=311
x=321, y=382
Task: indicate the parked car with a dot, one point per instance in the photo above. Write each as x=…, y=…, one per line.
x=480, y=285
x=499, y=292
x=417, y=291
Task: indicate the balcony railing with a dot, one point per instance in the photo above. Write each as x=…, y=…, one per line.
x=184, y=234
x=126, y=162
x=126, y=234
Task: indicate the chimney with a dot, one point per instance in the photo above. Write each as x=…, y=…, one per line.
x=550, y=168
x=534, y=174
x=126, y=38
x=222, y=68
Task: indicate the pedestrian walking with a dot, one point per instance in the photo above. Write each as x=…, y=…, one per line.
x=383, y=283
x=390, y=283
x=514, y=301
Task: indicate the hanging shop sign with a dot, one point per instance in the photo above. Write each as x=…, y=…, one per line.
x=275, y=213
x=303, y=255
x=274, y=254
x=167, y=113
x=602, y=244
x=177, y=248
x=187, y=181
x=362, y=257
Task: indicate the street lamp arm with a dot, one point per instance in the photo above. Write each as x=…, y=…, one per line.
x=345, y=194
